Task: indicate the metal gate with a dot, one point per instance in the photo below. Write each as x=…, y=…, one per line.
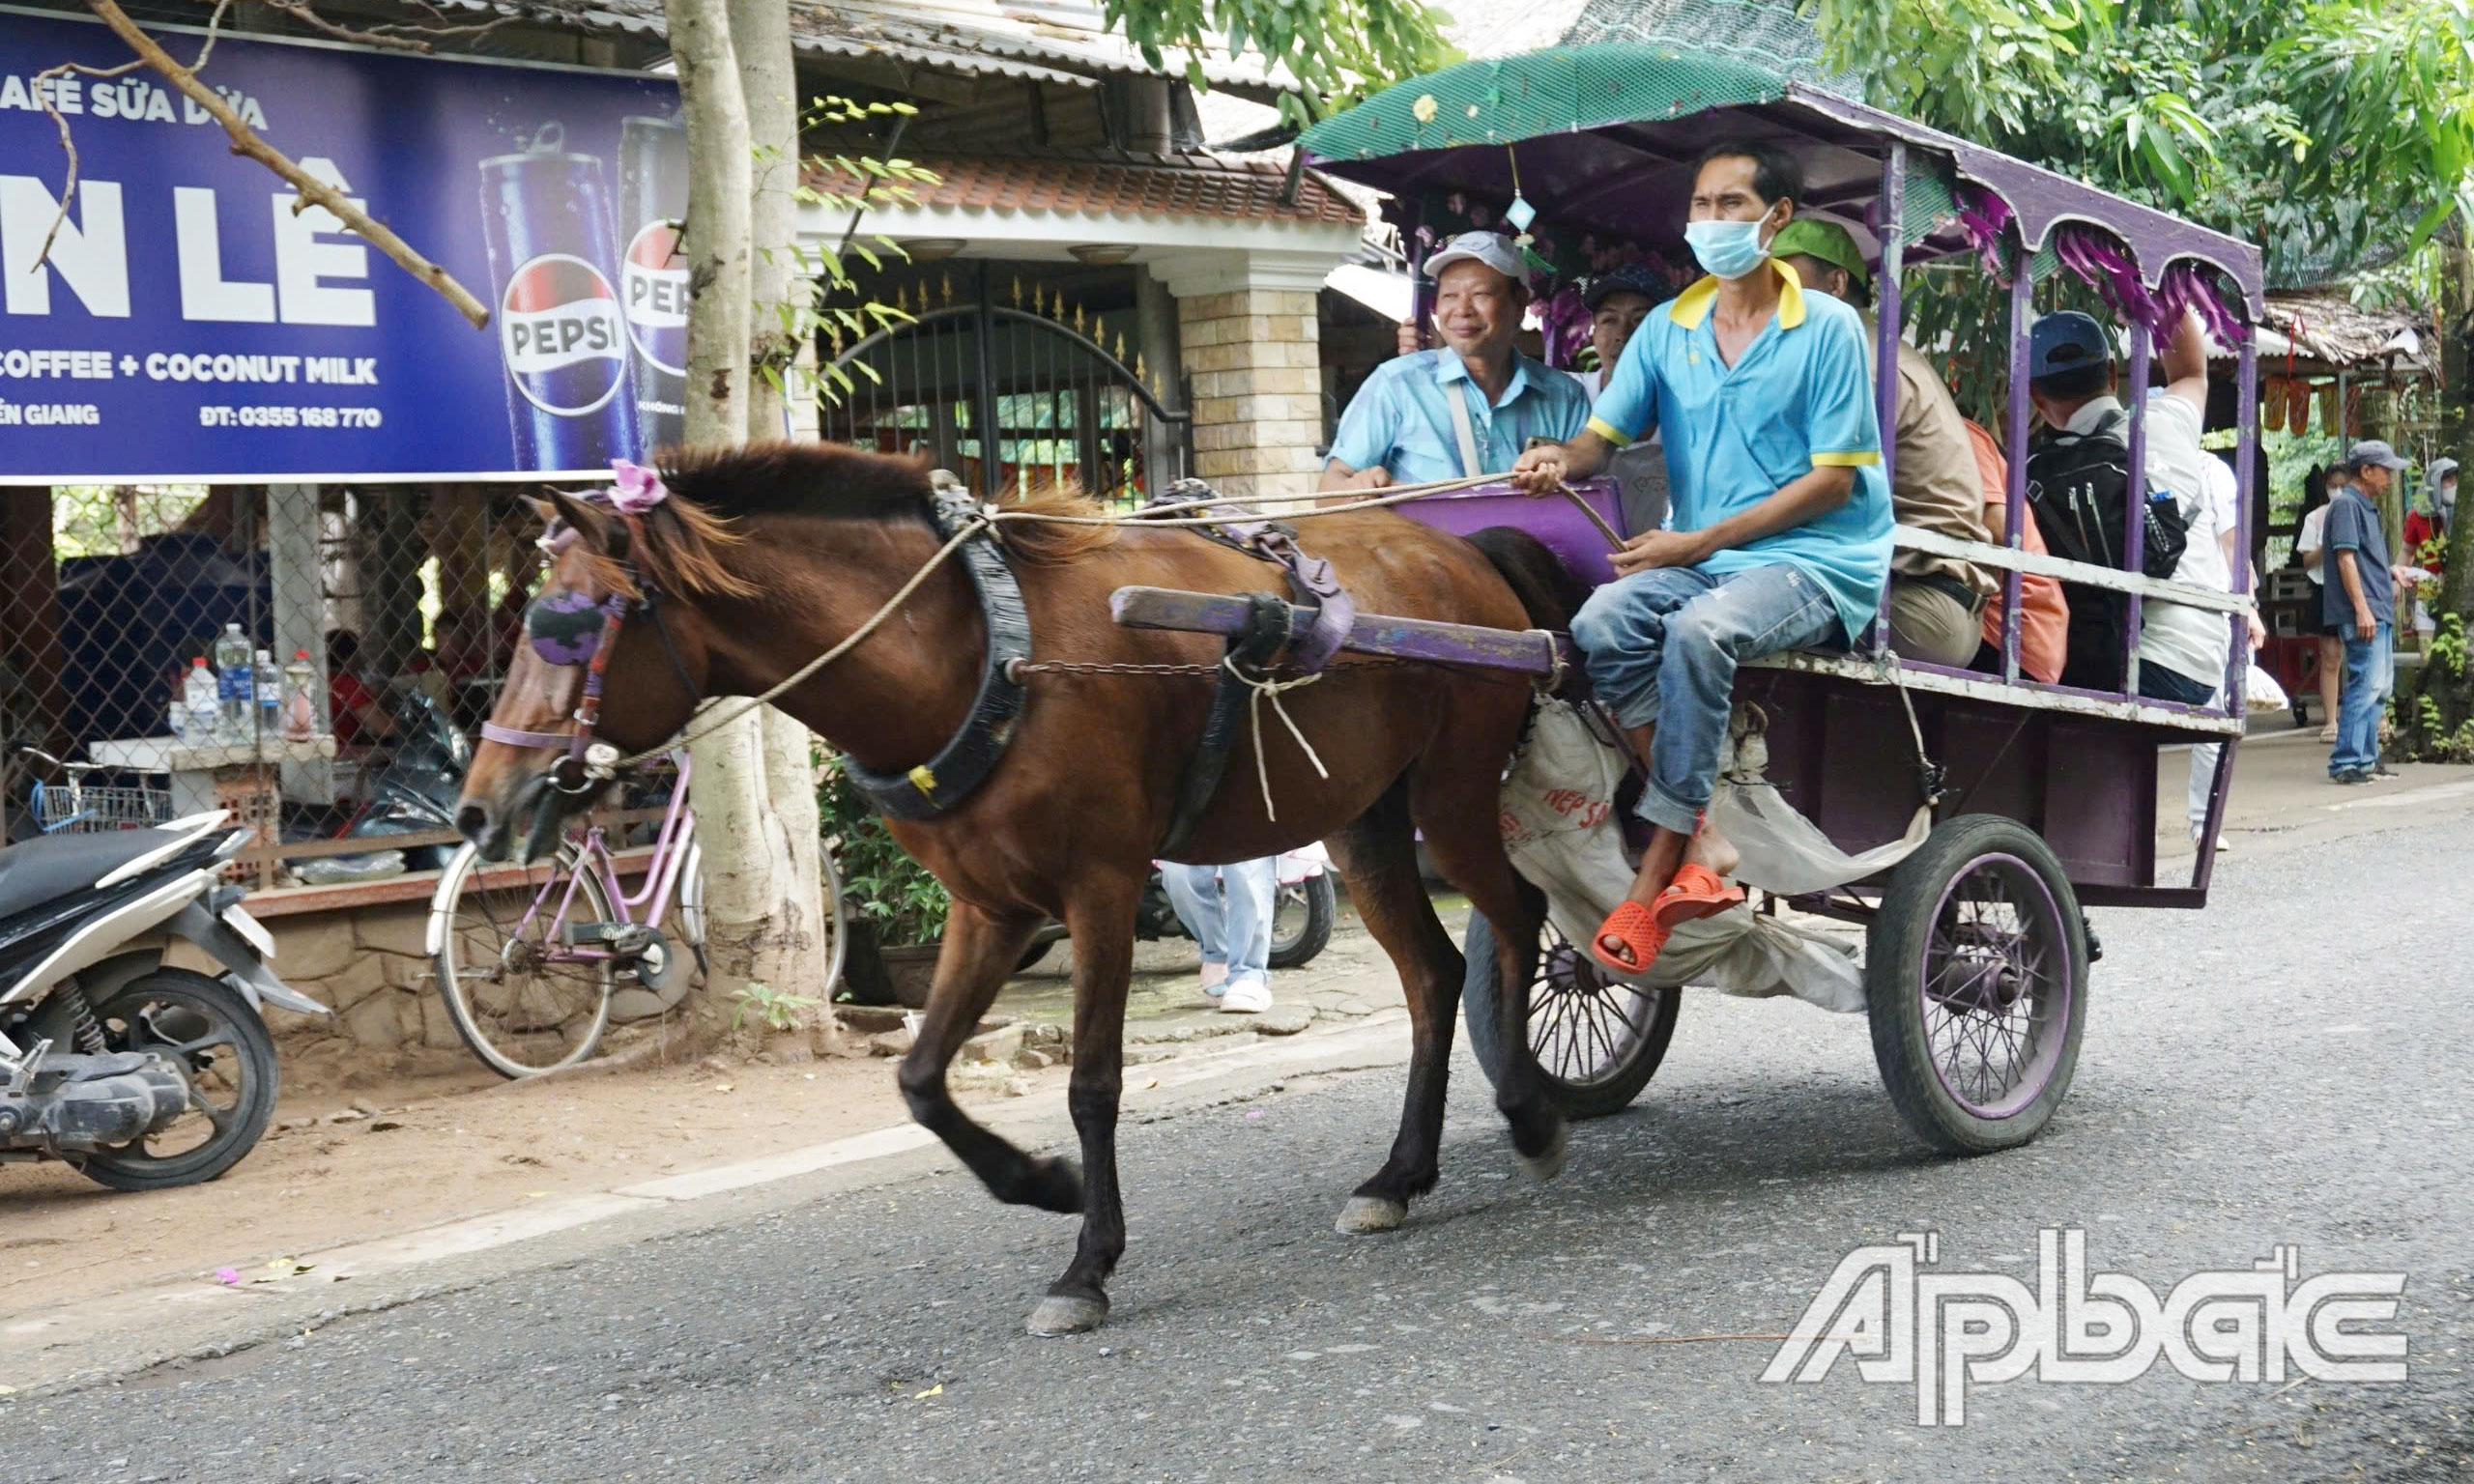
x=1065, y=408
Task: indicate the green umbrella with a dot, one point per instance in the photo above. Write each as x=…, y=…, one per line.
x=1506, y=99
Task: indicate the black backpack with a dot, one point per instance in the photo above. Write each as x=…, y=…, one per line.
x=2078, y=484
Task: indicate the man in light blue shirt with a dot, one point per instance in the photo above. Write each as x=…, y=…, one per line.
x=1780, y=532
x=1469, y=408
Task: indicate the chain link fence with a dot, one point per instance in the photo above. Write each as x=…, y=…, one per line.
x=383, y=603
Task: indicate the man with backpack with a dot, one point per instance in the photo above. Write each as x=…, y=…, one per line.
x=2078, y=487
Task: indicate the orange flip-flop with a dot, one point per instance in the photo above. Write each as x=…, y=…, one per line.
x=1696, y=892
x=1635, y=931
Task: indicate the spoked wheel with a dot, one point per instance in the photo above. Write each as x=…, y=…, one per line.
x=519, y=995
x=1597, y=1041
x=1975, y=975
x=1302, y=915
x=210, y=1031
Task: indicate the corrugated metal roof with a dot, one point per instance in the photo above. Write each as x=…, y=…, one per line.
x=1046, y=40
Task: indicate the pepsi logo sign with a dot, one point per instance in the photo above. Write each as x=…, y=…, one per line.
x=560, y=332
x=654, y=281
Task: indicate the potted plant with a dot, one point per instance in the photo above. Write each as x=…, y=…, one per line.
x=897, y=909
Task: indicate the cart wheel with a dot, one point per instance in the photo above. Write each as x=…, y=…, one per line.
x=1598, y=1043
x=1975, y=974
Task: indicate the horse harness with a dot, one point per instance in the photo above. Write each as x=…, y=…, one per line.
x=569, y=629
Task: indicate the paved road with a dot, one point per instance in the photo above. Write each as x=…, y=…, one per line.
x=2288, y=1066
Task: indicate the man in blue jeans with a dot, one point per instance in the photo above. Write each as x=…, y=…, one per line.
x=2361, y=604
x=1779, y=535
x=1229, y=909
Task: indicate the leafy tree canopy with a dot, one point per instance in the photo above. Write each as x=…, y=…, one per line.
x=1337, y=50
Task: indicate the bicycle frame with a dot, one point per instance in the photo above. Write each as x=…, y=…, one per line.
x=672, y=847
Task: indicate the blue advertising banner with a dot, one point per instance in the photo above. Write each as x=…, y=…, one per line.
x=189, y=324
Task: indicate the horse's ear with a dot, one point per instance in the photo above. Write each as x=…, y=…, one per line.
x=599, y=531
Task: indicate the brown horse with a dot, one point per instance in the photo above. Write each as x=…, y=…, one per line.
x=764, y=559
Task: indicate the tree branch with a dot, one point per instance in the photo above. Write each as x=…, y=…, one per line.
x=308, y=189
x=389, y=35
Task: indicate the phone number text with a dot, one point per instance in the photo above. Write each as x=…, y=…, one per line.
x=288, y=417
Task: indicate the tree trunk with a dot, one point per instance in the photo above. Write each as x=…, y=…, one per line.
x=714, y=109
x=762, y=30
x=756, y=808
x=2436, y=722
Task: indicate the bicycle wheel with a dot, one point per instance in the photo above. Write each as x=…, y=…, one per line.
x=498, y=936
x=837, y=922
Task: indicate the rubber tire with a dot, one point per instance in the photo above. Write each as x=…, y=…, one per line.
x=1322, y=908
x=597, y=902
x=1595, y=1099
x=1893, y=948
x=255, y=1048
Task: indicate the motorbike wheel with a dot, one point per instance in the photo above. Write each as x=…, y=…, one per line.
x=522, y=1010
x=1301, y=917
x=222, y=1048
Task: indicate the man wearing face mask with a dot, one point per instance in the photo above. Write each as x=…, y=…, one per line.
x=1469, y=407
x=1780, y=532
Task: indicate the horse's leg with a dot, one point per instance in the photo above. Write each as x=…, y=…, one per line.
x=1377, y=855
x=1100, y=916
x=1454, y=806
x=979, y=950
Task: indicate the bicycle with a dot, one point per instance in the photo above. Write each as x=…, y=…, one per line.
x=529, y=958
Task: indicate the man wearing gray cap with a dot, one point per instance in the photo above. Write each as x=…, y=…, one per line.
x=1468, y=407
x=2361, y=598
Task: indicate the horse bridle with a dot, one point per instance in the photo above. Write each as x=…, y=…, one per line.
x=591, y=763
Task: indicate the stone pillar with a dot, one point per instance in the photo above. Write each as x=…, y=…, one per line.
x=1251, y=345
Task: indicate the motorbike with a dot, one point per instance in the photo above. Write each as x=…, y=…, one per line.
x=142, y=1075
x=1302, y=913
x=415, y=793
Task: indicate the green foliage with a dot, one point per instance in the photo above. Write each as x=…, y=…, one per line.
x=879, y=878
x=1337, y=50
x=876, y=184
x=2315, y=129
x=775, y=1009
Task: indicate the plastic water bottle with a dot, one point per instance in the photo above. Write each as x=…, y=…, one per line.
x=300, y=700
x=266, y=688
x=234, y=680
x=202, y=710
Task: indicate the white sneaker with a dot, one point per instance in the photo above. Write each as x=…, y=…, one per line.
x=1246, y=998
x=2223, y=846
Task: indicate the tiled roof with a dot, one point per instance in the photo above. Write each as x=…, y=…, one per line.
x=1174, y=186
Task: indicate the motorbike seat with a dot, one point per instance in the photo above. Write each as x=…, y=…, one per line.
x=55, y=865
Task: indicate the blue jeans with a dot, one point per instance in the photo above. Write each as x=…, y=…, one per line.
x=1662, y=648
x=1228, y=909
x=2370, y=673
x=2157, y=683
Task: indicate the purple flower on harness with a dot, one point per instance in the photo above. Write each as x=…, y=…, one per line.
x=638, y=489
x=564, y=627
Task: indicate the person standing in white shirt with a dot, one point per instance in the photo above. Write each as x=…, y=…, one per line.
x=2308, y=545
x=2220, y=510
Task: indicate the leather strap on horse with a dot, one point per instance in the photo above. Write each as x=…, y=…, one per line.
x=971, y=753
x=1266, y=634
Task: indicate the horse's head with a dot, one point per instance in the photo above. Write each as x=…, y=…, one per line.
x=616, y=606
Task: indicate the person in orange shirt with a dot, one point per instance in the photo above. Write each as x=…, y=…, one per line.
x=2044, y=614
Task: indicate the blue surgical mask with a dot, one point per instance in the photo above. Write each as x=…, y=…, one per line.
x=1728, y=249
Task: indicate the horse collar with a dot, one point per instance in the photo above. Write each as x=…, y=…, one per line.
x=943, y=781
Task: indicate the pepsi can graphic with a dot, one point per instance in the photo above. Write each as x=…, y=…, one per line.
x=653, y=272
x=562, y=336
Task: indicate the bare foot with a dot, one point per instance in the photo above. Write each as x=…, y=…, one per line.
x=1714, y=852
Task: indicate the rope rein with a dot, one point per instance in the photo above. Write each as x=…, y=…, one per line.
x=987, y=519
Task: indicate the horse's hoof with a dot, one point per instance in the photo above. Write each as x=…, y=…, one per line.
x=1365, y=1215
x=1548, y=1162
x=1068, y=1314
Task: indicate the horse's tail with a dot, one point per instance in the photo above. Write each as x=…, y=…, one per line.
x=1539, y=577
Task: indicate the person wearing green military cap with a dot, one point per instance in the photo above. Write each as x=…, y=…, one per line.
x=1936, y=602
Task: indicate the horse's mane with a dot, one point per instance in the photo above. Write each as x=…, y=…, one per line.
x=715, y=491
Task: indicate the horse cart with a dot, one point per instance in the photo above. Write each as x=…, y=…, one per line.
x=2008, y=806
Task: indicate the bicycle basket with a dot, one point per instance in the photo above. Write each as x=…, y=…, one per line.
x=61, y=807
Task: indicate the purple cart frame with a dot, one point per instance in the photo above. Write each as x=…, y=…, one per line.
x=2079, y=767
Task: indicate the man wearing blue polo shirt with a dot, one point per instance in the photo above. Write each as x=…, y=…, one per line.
x=1780, y=535
x=1468, y=407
